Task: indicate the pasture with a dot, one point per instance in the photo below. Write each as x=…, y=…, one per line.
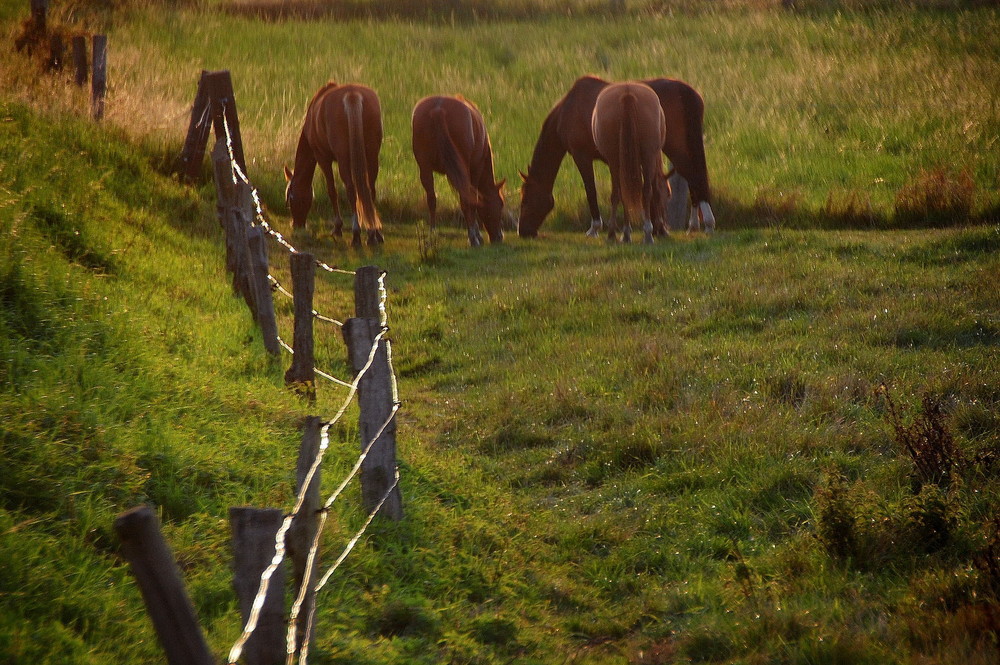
x=683, y=452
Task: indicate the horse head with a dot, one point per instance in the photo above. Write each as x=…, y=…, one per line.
x=298, y=198
x=491, y=210
x=536, y=202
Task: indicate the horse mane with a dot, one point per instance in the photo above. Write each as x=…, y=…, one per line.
x=456, y=169
x=630, y=169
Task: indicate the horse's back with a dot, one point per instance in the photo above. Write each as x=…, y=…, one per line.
x=461, y=117
x=609, y=113
x=326, y=124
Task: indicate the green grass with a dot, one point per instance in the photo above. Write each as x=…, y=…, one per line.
x=676, y=453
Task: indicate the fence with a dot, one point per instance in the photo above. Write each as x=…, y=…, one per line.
x=38, y=34
x=264, y=538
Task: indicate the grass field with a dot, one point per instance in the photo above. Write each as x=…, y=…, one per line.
x=610, y=454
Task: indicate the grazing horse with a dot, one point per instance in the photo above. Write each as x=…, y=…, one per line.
x=629, y=130
x=343, y=124
x=567, y=129
x=449, y=137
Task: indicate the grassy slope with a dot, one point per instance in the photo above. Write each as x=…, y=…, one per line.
x=611, y=454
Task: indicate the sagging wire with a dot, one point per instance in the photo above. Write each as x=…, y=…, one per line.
x=280, y=239
x=279, y=537
x=304, y=652
x=314, y=546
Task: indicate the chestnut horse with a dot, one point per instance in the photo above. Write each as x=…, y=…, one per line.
x=343, y=124
x=567, y=129
x=449, y=137
x=629, y=129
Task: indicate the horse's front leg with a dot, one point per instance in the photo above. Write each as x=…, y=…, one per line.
x=472, y=225
x=331, y=191
x=585, y=165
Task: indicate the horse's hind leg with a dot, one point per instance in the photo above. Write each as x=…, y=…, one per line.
x=427, y=181
x=613, y=213
x=331, y=190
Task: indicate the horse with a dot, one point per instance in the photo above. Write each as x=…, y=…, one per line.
x=449, y=137
x=629, y=130
x=567, y=129
x=343, y=124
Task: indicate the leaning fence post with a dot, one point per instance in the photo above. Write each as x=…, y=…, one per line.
x=253, y=549
x=301, y=376
x=99, y=82
x=162, y=588
x=305, y=525
x=219, y=88
x=189, y=163
x=375, y=396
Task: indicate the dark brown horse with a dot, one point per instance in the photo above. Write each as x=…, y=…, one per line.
x=449, y=137
x=343, y=124
x=567, y=129
x=629, y=130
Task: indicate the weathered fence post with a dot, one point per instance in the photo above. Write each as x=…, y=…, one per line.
x=305, y=525
x=219, y=88
x=253, y=549
x=57, y=53
x=80, y=59
x=214, y=106
x=162, y=588
x=375, y=396
x=677, y=206
x=99, y=82
x=301, y=376
x=189, y=163
x=265, y=302
x=39, y=11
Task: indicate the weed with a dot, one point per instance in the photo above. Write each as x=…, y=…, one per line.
x=932, y=519
x=836, y=526
x=936, y=196
x=428, y=243
x=928, y=441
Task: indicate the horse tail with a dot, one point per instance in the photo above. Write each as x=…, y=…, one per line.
x=629, y=164
x=694, y=115
x=364, y=202
x=455, y=167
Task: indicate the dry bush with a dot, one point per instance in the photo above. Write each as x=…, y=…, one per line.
x=936, y=196
x=775, y=206
x=849, y=208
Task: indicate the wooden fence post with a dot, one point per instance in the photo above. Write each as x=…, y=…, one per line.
x=253, y=549
x=159, y=579
x=57, y=53
x=214, y=103
x=304, y=526
x=99, y=82
x=375, y=397
x=39, y=11
x=301, y=376
x=80, y=59
x=193, y=153
x=219, y=88
x=265, y=302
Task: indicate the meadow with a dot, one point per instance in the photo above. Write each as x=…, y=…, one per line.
x=778, y=444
